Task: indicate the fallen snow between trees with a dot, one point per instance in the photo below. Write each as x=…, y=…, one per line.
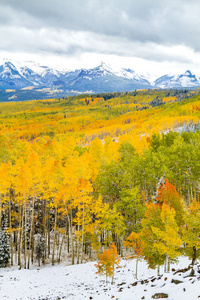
x=80, y=282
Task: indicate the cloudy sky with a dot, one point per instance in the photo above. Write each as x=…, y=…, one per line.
x=156, y=36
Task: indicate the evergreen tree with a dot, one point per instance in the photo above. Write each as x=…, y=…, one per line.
x=39, y=248
x=4, y=249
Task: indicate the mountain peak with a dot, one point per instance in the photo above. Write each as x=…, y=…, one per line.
x=8, y=64
x=188, y=73
x=104, y=67
x=185, y=80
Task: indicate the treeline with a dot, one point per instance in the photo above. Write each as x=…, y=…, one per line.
x=57, y=193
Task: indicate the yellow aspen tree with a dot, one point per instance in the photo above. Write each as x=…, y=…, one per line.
x=51, y=181
x=93, y=228
x=23, y=186
x=54, y=184
x=83, y=204
x=112, y=224
x=96, y=156
x=35, y=168
x=167, y=241
x=69, y=193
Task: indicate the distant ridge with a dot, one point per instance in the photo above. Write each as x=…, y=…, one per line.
x=100, y=79
x=183, y=80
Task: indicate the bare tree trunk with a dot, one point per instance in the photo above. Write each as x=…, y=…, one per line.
x=54, y=238
x=31, y=233
x=25, y=235
x=60, y=251
x=121, y=243
x=48, y=235
x=45, y=231
x=19, y=249
x=78, y=244
x=11, y=236
x=32, y=252
x=158, y=270
x=21, y=237
x=71, y=235
x=168, y=264
x=194, y=255
x=136, y=269
x=165, y=265
x=83, y=228
x=15, y=244
x=68, y=239
x=57, y=244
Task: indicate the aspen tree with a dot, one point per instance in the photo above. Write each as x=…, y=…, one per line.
x=191, y=230
x=107, y=262
x=23, y=186
x=135, y=242
x=35, y=166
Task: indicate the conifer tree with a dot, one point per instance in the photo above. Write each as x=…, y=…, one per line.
x=39, y=248
x=4, y=249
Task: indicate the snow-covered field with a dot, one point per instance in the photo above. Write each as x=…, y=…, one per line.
x=80, y=282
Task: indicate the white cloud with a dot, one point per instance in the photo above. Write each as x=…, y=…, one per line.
x=163, y=33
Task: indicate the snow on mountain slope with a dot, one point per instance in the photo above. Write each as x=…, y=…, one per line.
x=11, y=77
x=183, y=80
x=129, y=74
x=8, y=70
x=43, y=75
x=103, y=78
x=30, y=75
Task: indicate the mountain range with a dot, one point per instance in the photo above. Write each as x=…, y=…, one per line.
x=100, y=79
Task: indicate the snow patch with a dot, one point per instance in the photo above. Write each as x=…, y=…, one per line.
x=81, y=282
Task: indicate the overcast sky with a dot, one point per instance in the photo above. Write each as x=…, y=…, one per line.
x=155, y=36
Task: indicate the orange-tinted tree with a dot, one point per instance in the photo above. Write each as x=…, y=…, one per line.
x=135, y=242
x=107, y=262
x=167, y=194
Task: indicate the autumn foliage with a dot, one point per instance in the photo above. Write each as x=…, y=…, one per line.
x=167, y=194
x=134, y=242
x=107, y=262
x=82, y=172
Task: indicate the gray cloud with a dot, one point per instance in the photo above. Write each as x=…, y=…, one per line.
x=142, y=28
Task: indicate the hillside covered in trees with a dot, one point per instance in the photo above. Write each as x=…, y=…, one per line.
x=82, y=172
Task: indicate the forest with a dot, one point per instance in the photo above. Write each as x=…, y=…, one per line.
x=80, y=173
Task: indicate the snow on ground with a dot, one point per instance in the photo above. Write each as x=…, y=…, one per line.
x=80, y=282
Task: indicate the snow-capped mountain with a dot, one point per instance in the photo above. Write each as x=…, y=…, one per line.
x=183, y=80
x=102, y=78
x=10, y=77
x=30, y=75
x=99, y=79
